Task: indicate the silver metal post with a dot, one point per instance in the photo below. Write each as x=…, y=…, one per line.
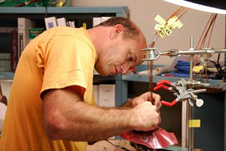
x=190, y=109
x=184, y=126
x=191, y=56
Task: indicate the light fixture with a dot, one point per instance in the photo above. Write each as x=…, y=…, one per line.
x=212, y=6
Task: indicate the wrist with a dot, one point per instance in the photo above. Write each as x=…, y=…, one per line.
x=125, y=117
x=132, y=119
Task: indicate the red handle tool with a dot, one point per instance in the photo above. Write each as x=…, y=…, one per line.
x=160, y=85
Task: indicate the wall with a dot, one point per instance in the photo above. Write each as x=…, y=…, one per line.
x=143, y=12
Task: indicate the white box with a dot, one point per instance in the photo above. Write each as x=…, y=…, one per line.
x=23, y=33
x=6, y=87
x=96, y=93
x=96, y=21
x=104, y=18
x=50, y=22
x=106, y=95
x=61, y=21
x=95, y=72
x=3, y=109
x=71, y=23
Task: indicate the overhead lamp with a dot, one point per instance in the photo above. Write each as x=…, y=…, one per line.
x=212, y=6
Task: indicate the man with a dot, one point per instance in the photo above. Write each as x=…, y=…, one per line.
x=51, y=102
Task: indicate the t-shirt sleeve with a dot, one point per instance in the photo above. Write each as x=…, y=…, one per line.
x=62, y=64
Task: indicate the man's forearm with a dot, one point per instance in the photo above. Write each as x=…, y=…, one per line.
x=96, y=123
x=83, y=122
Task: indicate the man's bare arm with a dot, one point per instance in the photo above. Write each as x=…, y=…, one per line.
x=66, y=116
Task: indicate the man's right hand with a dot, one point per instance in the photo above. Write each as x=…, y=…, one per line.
x=145, y=117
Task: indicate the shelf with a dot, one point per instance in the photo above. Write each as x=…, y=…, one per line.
x=116, y=11
x=6, y=76
x=145, y=78
x=109, y=78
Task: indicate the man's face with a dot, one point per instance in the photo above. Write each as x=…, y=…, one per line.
x=121, y=56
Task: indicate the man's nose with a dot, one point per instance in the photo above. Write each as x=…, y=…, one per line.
x=125, y=68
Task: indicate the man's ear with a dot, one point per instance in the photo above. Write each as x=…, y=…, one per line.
x=117, y=30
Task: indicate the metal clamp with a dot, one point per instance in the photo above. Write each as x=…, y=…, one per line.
x=151, y=54
x=181, y=91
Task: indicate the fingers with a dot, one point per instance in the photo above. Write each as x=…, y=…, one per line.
x=158, y=104
x=148, y=116
x=155, y=100
x=147, y=97
x=156, y=97
x=140, y=99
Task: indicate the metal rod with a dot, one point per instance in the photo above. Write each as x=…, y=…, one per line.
x=191, y=57
x=190, y=130
x=225, y=42
x=154, y=53
x=184, y=126
x=207, y=51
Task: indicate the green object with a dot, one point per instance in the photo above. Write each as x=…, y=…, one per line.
x=35, y=3
x=22, y=3
x=34, y=32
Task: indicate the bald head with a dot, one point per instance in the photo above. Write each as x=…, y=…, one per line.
x=130, y=30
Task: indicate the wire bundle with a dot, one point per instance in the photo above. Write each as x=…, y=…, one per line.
x=206, y=36
x=182, y=69
x=179, y=13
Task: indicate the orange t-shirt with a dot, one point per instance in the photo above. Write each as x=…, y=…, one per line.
x=58, y=58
